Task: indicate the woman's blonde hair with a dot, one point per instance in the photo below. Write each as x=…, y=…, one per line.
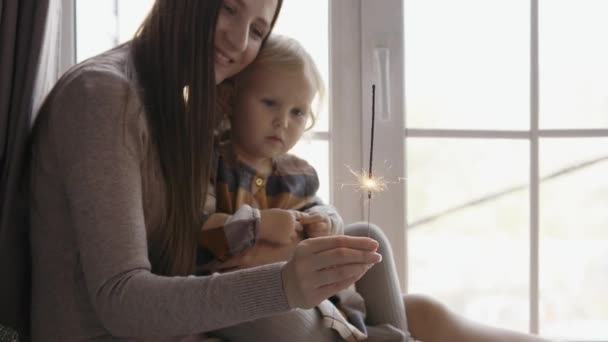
x=279, y=52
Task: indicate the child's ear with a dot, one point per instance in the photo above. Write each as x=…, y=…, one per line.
x=312, y=120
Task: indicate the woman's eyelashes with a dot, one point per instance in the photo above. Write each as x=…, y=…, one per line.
x=256, y=32
x=230, y=9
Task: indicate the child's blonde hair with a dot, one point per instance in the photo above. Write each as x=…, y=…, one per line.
x=282, y=52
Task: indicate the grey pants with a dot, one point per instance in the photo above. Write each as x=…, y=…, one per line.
x=379, y=287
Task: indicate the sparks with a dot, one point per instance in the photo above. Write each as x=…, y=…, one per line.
x=365, y=183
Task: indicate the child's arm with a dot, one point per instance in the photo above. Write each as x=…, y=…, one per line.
x=226, y=235
x=223, y=235
x=276, y=234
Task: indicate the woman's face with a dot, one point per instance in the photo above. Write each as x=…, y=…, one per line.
x=241, y=27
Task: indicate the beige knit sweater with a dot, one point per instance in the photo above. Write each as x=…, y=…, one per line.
x=96, y=193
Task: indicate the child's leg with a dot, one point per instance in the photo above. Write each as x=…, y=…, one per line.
x=431, y=321
x=293, y=326
x=380, y=285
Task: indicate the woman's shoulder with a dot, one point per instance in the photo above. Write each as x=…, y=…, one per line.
x=102, y=86
x=95, y=97
x=111, y=71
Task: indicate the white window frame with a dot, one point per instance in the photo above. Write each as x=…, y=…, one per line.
x=356, y=33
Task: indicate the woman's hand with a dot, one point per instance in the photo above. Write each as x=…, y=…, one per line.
x=320, y=267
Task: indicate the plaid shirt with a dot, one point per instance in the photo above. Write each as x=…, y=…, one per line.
x=292, y=185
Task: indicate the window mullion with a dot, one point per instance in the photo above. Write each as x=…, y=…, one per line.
x=534, y=169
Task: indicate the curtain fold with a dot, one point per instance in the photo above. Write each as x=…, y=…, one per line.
x=22, y=32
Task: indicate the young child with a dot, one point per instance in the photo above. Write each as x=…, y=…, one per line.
x=263, y=194
x=267, y=108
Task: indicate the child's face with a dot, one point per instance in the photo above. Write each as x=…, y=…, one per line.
x=270, y=114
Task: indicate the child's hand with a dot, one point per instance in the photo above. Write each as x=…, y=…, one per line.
x=316, y=225
x=279, y=226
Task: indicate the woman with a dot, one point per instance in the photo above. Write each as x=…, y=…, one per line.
x=119, y=168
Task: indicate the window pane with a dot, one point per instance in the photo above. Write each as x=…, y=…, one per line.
x=316, y=152
x=295, y=22
x=573, y=68
x=131, y=13
x=120, y=19
x=574, y=239
x=468, y=240
x=467, y=64
x=92, y=38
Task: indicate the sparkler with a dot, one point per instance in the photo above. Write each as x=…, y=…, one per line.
x=369, y=182
x=365, y=182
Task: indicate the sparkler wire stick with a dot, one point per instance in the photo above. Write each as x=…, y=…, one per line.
x=371, y=158
x=371, y=148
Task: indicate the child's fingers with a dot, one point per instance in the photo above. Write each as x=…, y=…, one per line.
x=308, y=219
x=298, y=214
x=317, y=229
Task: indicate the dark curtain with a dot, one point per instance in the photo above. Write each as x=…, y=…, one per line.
x=22, y=25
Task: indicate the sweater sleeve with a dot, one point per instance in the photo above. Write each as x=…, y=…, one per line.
x=98, y=130
x=235, y=233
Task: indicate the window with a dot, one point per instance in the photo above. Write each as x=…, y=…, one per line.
x=120, y=19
